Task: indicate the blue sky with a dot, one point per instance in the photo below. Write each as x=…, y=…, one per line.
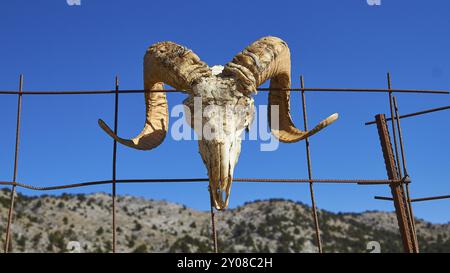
x=333, y=44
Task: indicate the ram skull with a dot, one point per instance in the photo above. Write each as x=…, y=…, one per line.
x=225, y=96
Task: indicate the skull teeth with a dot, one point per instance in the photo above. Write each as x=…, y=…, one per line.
x=220, y=196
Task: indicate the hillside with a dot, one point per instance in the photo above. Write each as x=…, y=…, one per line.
x=48, y=223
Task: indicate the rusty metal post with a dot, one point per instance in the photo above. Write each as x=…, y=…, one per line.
x=114, y=166
x=308, y=160
x=397, y=191
x=16, y=160
x=213, y=223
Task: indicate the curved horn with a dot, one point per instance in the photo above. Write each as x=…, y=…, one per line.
x=168, y=63
x=269, y=58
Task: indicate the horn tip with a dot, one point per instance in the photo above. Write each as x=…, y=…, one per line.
x=105, y=127
x=101, y=122
x=334, y=117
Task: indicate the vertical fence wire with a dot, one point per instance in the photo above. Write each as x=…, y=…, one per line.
x=400, y=136
x=394, y=132
x=397, y=157
x=405, y=171
x=308, y=160
x=16, y=160
x=213, y=223
x=114, y=165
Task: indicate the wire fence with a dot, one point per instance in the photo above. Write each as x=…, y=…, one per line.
x=398, y=178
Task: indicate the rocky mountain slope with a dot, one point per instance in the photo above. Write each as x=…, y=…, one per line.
x=49, y=223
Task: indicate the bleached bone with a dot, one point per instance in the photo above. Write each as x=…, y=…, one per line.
x=226, y=99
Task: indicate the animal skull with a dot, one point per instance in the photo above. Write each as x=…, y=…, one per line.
x=224, y=95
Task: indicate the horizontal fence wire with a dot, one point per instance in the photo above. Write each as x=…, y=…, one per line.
x=416, y=199
x=187, y=180
x=432, y=110
x=99, y=92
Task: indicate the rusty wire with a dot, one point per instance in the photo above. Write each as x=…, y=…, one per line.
x=184, y=180
x=405, y=171
x=16, y=161
x=394, y=122
x=114, y=165
x=133, y=91
x=415, y=114
x=213, y=222
x=394, y=131
x=308, y=162
x=416, y=199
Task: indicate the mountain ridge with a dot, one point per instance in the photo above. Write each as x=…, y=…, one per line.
x=47, y=223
